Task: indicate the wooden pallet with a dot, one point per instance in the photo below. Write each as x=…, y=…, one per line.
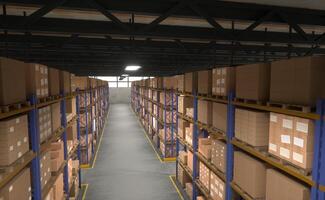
x=220, y=97
x=250, y=101
x=14, y=106
x=262, y=149
x=301, y=108
x=204, y=95
x=47, y=99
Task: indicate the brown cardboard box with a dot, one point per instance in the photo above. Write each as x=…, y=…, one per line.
x=71, y=109
x=205, y=82
x=45, y=123
x=217, y=188
x=182, y=156
x=170, y=82
x=205, y=147
x=183, y=103
x=181, y=83
x=57, y=156
x=200, y=198
x=81, y=82
x=219, y=116
x=93, y=82
x=157, y=83
x=12, y=75
x=204, y=175
x=249, y=175
x=219, y=154
x=252, y=127
x=298, y=81
x=18, y=188
x=65, y=82
x=182, y=176
x=56, y=116
x=182, y=124
x=190, y=81
x=50, y=195
x=286, y=137
x=37, y=80
x=45, y=166
x=258, y=86
x=58, y=188
x=274, y=131
x=190, y=112
x=190, y=160
x=72, y=132
x=188, y=134
x=223, y=81
x=14, y=141
x=205, y=112
x=189, y=190
x=54, y=84
x=279, y=186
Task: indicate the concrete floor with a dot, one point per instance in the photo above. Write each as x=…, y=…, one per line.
x=127, y=167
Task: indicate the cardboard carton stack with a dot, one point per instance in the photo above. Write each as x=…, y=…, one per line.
x=205, y=82
x=204, y=112
x=45, y=123
x=292, y=139
x=8, y=69
x=258, y=86
x=182, y=124
x=182, y=156
x=252, y=127
x=14, y=141
x=72, y=133
x=190, y=82
x=58, y=188
x=57, y=156
x=223, y=81
x=180, y=83
x=219, y=154
x=189, y=190
x=183, y=103
x=170, y=82
x=205, y=147
x=249, y=175
x=190, y=160
x=279, y=186
x=54, y=84
x=219, y=116
x=217, y=188
x=157, y=83
x=37, y=80
x=204, y=175
x=65, y=82
x=298, y=81
x=190, y=112
x=182, y=176
x=93, y=83
x=55, y=116
x=188, y=134
x=81, y=82
x=18, y=188
x=168, y=150
x=45, y=165
x=50, y=195
x=71, y=109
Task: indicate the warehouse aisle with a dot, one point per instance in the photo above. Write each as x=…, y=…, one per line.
x=126, y=166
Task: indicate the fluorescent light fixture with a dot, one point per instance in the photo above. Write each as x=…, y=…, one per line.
x=132, y=67
x=125, y=75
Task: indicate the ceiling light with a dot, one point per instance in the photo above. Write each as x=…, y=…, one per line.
x=132, y=67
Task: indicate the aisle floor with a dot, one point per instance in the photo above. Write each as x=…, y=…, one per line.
x=127, y=167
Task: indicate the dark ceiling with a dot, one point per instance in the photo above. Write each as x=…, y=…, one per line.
x=103, y=47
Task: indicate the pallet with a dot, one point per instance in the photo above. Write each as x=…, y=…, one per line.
x=250, y=101
x=14, y=106
x=220, y=97
x=204, y=95
x=47, y=99
x=300, y=108
x=262, y=149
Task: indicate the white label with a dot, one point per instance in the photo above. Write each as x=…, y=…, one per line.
x=17, y=120
x=285, y=152
x=19, y=143
x=273, y=118
x=37, y=67
x=11, y=188
x=287, y=123
x=285, y=139
x=273, y=147
x=25, y=139
x=302, y=127
x=11, y=148
x=41, y=165
x=19, y=154
x=297, y=157
x=29, y=189
x=11, y=129
x=298, y=142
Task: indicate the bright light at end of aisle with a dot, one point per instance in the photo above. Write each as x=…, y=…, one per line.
x=132, y=68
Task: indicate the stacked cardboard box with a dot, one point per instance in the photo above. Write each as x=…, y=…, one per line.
x=298, y=81
x=217, y=188
x=37, y=80
x=45, y=123
x=71, y=109
x=170, y=82
x=72, y=133
x=204, y=175
x=45, y=165
x=182, y=124
x=190, y=112
x=54, y=84
x=93, y=83
x=205, y=82
x=292, y=139
x=50, y=195
x=182, y=176
x=219, y=116
x=249, y=175
x=189, y=190
x=188, y=134
x=56, y=116
x=205, y=147
x=57, y=156
x=81, y=82
x=219, y=154
x=183, y=103
x=223, y=81
x=8, y=69
x=181, y=83
x=252, y=127
x=182, y=156
x=258, y=86
x=190, y=160
x=157, y=83
x=14, y=141
x=279, y=186
x=168, y=150
x=65, y=82
x=18, y=188
x=190, y=82
x=204, y=112
x=58, y=188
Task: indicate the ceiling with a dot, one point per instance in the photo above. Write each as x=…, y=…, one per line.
x=165, y=37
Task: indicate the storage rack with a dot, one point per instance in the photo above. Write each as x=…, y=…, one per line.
x=316, y=182
x=154, y=117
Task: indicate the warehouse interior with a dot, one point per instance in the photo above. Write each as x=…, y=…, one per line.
x=165, y=99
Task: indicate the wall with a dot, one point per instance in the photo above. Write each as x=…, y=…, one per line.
x=119, y=95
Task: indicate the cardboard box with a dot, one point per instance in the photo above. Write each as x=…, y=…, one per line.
x=205, y=82
x=45, y=123
x=249, y=175
x=274, y=130
x=157, y=83
x=71, y=107
x=182, y=156
x=170, y=82
x=183, y=103
x=189, y=190
x=219, y=155
x=81, y=82
x=14, y=140
x=181, y=83
x=200, y=198
x=204, y=175
x=57, y=156
x=37, y=80
x=217, y=187
x=54, y=84
x=252, y=127
x=279, y=186
x=182, y=124
x=56, y=116
x=188, y=134
x=45, y=166
x=58, y=188
x=205, y=112
x=182, y=176
x=65, y=82
x=258, y=86
x=223, y=81
x=18, y=188
x=190, y=160
x=12, y=82
x=205, y=147
x=191, y=81
x=219, y=116
x=298, y=81
x=190, y=112
x=72, y=132
x=50, y=195
x=93, y=82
